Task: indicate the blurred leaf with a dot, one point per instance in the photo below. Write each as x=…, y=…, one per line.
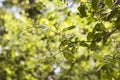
x=32, y=34
x=94, y=4
x=112, y=15
x=92, y=46
x=106, y=41
x=108, y=3
x=90, y=35
x=82, y=10
x=69, y=56
x=99, y=27
x=83, y=44
x=117, y=22
x=69, y=28
x=63, y=43
x=98, y=37
x=100, y=65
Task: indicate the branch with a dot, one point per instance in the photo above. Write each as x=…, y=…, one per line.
x=109, y=34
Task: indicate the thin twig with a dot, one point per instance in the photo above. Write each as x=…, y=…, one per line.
x=112, y=32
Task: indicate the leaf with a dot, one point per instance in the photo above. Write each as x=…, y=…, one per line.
x=82, y=10
x=94, y=4
x=64, y=43
x=69, y=28
x=90, y=35
x=69, y=56
x=106, y=41
x=98, y=37
x=112, y=15
x=92, y=46
x=83, y=44
x=99, y=27
x=100, y=66
x=108, y=3
x=117, y=22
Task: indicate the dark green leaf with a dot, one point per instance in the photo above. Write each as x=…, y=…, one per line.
x=92, y=46
x=112, y=15
x=64, y=43
x=117, y=22
x=94, y=4
x=99, y=27
x=105, y=34
x=84, y=44
x=98, y=37
x=106, y=41
x=82, y=10
x=90, y=35
x=69, y=28
x=69, y=56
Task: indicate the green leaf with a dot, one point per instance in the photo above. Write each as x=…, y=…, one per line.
x=94, y=4
x=92, y=46
x=69, y=56
x=99, y=27
x=106, y=41
x=83, y=44
x=98, y=37
x=112, y=15
x=100, y=66
x=108, y=3
x=82, y=10
x=90, y=35
x=69, y=28
x=64, y=43
x=117, y=22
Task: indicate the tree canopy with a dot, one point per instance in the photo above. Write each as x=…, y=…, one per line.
x=59, y=40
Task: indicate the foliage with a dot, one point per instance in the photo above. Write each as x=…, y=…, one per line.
x=59, y=40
